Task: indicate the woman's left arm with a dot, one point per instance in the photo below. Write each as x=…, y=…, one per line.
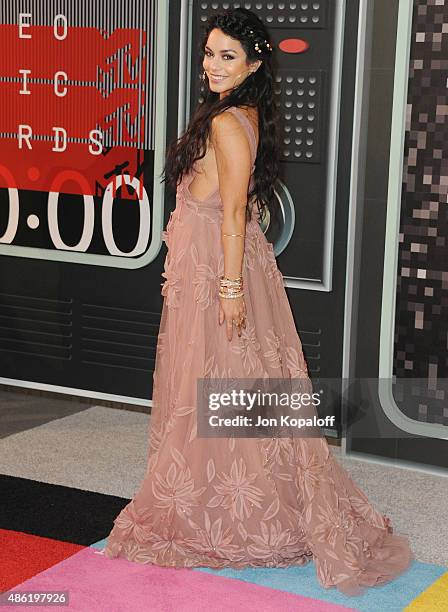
x=233, y=160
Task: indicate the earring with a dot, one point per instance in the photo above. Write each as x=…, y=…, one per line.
x=203, y=76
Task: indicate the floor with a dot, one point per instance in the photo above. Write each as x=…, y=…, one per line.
x=103, y=450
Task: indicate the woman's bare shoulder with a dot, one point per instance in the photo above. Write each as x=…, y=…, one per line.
x=224, y=125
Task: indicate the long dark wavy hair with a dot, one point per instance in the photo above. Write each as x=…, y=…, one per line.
x=255, y=91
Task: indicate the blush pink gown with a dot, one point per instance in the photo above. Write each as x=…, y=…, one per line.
x=239, y=502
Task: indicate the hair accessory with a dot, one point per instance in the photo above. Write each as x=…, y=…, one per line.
x=257, y=44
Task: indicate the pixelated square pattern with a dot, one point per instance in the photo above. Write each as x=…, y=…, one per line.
x=422, y=277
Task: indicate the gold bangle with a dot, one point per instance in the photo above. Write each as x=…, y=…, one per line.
x=236, y=295
x=230, y=281
x=242, y=235
x=232, y=292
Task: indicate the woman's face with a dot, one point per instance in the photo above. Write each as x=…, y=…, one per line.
x=225, y=63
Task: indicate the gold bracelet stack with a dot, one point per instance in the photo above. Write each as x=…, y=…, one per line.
x=229, y=288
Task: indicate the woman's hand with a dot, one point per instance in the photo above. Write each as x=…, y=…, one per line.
x=233, y=312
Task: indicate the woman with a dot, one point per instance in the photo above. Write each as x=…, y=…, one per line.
x=238, y=502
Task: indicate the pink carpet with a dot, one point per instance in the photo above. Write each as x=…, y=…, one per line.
x=97, y=583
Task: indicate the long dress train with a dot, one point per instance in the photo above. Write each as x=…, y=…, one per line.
x=239, y=502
